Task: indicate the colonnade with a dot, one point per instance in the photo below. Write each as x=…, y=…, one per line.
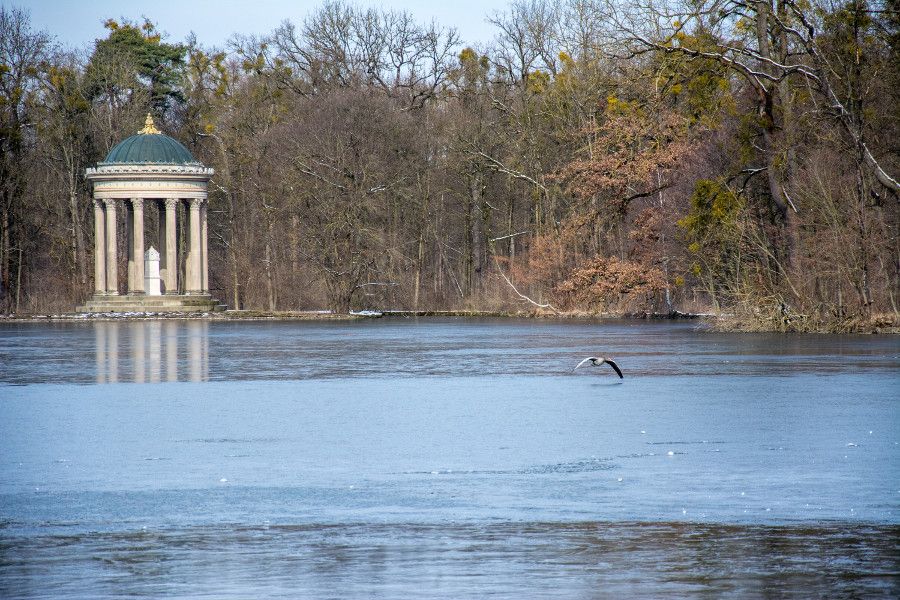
x=106, y=272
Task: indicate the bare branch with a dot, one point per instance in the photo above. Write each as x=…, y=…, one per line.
x=518, y=293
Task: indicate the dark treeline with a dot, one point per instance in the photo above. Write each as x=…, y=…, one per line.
x=731, y=155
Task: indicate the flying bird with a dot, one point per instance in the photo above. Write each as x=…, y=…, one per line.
x=599, y=361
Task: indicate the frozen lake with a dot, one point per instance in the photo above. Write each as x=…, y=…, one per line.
x=445, y=458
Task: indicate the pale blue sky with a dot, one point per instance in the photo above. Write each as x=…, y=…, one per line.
x=77, y=23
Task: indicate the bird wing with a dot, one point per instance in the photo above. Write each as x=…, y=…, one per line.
x=614, y=366
x=588, y=359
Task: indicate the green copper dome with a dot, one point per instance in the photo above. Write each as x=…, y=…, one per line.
x=151, y=147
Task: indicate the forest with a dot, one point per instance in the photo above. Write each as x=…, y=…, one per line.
x=732, y=157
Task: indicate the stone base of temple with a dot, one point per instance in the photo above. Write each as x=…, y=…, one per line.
x=150, y=304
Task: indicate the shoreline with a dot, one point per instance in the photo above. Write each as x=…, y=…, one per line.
x=878, y=324
x=325, y=315
x=227, y=315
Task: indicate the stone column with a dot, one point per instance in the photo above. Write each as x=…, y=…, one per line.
x=99, y=249
x=137, y=249
x=112, y=266
x=194, y=283
x=129, y=246
x=170, y=278
x=204, y=238
x=161, y=239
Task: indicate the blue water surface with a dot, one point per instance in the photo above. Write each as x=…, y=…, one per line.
x=444, y=458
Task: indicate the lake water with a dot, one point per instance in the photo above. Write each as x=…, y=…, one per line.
x=445, y=458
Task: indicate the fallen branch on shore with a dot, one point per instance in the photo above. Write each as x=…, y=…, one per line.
x=518, y=293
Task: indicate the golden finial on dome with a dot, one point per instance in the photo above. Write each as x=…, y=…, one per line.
x=149, y=127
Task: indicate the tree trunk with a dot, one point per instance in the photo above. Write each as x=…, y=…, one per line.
x=468, y=255
x=235, y=282
x=4, y=262
x=77, y=241
x=269, y=258
x=420, y=254
x=776, y=164
x=295, y=254
x=510, y=221
x=18, y=280
x=418, y=280
x=270, y=283
x=477, y=229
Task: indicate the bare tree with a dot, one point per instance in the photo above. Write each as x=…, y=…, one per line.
x=21, y=52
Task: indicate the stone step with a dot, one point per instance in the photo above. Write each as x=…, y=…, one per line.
x=151, y=304
x=143, y=297
x=137, y=310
